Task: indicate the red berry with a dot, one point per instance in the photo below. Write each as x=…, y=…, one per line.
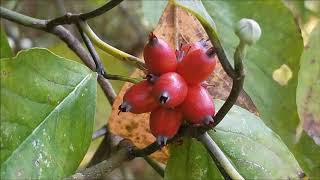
x=198, y=106
x=197, y=65
x=189, y=47
x=170, y=89
x=159, y=56
x=138, y=99
x=164, y=123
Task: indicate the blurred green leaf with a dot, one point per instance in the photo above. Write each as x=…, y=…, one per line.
x=47, y=113
x=245, y=140
x=5, y=50
x=308, y=90
x=189, y=161
x=152, y=11
x=281, y=43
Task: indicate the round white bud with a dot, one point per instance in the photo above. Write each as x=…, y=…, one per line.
x=248, y=31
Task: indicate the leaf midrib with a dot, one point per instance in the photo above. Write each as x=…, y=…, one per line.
x=83, y=81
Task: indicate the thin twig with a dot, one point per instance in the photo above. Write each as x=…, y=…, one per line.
x=22, y=19
x=228, y=171
x=156, y=166
x=69, y=18
x=125, y=57
x=237, y=85
x=99, y=66
x=72, y=42
x=105, y=148
x=100, y=132
x=104, y=167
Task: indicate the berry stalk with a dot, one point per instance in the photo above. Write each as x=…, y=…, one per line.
x=127, y=58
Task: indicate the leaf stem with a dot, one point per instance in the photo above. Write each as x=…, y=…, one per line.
x=227, y=170
x=132, y=60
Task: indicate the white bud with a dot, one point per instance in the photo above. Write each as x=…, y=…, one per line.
x=248, y=31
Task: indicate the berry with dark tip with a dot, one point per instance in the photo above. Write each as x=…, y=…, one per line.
x=164, y=123
x=138, y=99
x=198, y=107
x=151, y=78
x=170, y=90
x=189, y=47
x=159, y=57
x=197, y=65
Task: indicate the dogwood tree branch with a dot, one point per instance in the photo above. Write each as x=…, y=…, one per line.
x=73, y=43
x=70, y=18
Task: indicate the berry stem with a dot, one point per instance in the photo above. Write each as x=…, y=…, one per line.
x=123, y=56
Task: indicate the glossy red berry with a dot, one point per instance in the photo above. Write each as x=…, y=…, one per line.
x=189, y=47
x=159, y=56
x=170, y=89
x=164, y=124
x=138, y=99
x=197, y=65
x=198, y=106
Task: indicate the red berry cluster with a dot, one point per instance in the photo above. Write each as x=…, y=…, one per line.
x=174, y=87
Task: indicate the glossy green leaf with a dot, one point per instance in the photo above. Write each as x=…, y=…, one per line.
x=308, y=90
x=5, y=50
x=190, y=160
x=48, y=105
x=152, y=11
x=113, y=66
x=254, y=149
x=280, y=44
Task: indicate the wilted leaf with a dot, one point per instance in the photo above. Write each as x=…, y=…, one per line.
x=5, y=50
x=246, y=141
x=47, y=114
x=308, y=90
x=281, y=43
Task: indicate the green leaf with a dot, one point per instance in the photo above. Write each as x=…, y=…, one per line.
x=254, y=149
x=112, y=66
x=5, y=50
x=152, y=11
x=308, y=90
x=189, y=161
x=280, y=44
x=47, y=114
